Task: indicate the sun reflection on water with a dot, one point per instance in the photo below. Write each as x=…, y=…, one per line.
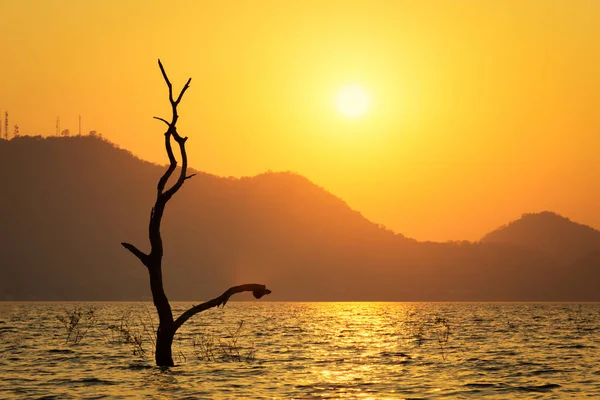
x=312, y=350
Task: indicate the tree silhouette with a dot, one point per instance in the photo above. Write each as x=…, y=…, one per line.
x=168, y=326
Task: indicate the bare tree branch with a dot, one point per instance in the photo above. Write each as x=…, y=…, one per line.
x=136, y=252
x=174, y=103
x=169, y=193
x=163, y=120
x=185, y=87
x=172, y=165
x=164, y=74
x=172, y=131
x=257, y=290
x=164, y=196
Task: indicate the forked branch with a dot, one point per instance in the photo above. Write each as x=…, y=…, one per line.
x=162, y=195
x=174, y=103
x=172, y=131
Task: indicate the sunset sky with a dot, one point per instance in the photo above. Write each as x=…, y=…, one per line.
x=478, y=111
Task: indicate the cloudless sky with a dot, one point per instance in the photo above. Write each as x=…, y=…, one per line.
x=481, y=110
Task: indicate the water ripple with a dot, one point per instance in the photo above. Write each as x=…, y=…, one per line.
x=312, y=350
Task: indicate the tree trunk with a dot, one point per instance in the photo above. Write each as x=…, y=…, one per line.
x=164, y=341
x=166, y=330
x=167, y=326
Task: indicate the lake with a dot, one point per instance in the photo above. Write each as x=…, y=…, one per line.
x=303, y=350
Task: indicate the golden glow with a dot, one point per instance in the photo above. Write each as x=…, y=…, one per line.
x=483, y=109
x=353, y=101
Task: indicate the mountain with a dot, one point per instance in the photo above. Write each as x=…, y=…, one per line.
x=557, y=236
x=67, y=203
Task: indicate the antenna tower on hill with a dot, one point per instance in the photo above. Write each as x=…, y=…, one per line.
x=57, y=126
x=6, y=125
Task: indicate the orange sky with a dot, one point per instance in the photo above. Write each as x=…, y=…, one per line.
x=482, y=110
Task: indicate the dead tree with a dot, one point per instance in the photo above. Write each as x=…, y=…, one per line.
x=168, y=326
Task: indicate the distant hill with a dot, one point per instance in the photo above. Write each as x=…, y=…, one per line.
x=67, y=203
x=550, y=233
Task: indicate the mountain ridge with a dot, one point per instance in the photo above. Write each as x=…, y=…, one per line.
x=548, y=232
x=67, y=208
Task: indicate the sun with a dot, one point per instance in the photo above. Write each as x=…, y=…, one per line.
x=353, y=101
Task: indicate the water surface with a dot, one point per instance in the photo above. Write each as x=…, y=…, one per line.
x=305, y=350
